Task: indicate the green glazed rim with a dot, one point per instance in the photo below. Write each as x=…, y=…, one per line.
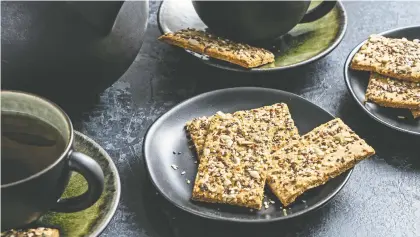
x=92, y=221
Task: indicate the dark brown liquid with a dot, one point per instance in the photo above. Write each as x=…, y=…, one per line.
x=28, y=145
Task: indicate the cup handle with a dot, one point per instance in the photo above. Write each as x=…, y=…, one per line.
x=319, y=11
x=94, y=176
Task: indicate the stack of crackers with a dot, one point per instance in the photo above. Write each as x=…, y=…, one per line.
x=216, y=47
x=395, y=72
x=240, y=153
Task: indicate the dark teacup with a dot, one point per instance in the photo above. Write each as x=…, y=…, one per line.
x=37, y=160
x=257, y=20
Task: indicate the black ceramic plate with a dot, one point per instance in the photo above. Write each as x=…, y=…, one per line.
x=304, y=44
x=166, y=144
x=357, y=82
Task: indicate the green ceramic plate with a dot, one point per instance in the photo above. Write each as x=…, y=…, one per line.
x=92, y=221
x=303, y=44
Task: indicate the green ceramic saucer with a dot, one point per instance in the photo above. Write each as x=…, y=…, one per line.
x=92, y=221
x=303, y=44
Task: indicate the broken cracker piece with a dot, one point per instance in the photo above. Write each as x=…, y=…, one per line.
x=416, y=113
x=197, y=129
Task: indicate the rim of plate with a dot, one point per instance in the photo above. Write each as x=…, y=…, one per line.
x=117, y=183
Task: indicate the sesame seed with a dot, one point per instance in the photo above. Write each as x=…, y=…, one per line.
x=188, y=181
x=174, y=167
x=183, y=172
x=174, y=152
x=401, y=117
x=285, y=212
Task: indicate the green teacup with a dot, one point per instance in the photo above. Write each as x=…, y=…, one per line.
x=37, y=160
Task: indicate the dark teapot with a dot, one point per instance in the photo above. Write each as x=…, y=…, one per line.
x=67, y=48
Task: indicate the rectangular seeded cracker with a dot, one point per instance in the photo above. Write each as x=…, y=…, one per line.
x=285, y=128
x=398, y=58
x=204, y=43
x=221, y=175
x=234, y=160
x=390, y=92
x=322, y=154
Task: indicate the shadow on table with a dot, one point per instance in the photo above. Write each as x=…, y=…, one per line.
x=399, y=149
x=195, y=77
x=288, y=80
x=139, y=213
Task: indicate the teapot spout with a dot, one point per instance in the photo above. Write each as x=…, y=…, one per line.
x=100, y=15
